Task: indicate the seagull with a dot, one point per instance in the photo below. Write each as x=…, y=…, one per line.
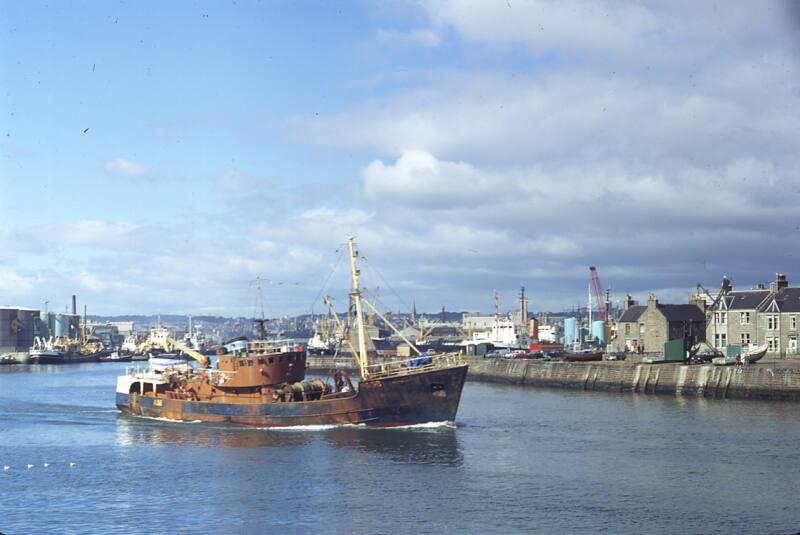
x=6, y=467
x=72, y=464
x=30, y=466
x=46, y=465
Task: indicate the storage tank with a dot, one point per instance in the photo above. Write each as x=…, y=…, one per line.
x=27, y=327
x=569, y=331
x=599, y=332
x=47, y=325
x=60, y=325
x=8, y=329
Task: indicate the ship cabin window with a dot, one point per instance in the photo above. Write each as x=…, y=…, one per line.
x=272, y=360
x=261, y=361
x=250, y=362
x=241, y=363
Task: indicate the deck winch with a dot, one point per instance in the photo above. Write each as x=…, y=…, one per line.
x=302, y=390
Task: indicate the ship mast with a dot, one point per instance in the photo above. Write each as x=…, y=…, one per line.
x=356, y=295
x=261, y=322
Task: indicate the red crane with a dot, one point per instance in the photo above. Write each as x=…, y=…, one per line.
x=598, y=295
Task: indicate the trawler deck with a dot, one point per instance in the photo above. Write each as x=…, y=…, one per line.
x=420, y=364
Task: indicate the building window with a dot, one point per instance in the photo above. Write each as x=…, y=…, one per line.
x=720, y=340
x=744, y=318
x=641, y=329
x=772, y=322
x=773, y=344
x=627, y=328
x=720, y=318
x=793, y=322
x=745, y=339
x=792, y=344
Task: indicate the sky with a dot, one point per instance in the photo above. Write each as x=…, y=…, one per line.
x=162, y=156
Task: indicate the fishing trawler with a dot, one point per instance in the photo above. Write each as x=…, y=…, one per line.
x=264, y=385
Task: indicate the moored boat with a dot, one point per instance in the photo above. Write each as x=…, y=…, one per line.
x=264, y=384
x=115, y=356
x=755, y=354
x=46, y=356
x=581, y=357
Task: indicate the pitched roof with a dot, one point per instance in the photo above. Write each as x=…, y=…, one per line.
x=788, y=300
x=682, y=312
x=632, y=314
x=746, y=300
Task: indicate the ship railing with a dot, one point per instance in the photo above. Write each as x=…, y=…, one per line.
x=423, y=363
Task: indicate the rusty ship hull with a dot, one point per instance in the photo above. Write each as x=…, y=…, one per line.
x=408, y=399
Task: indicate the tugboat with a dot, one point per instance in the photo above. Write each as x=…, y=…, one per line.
x=264, y=385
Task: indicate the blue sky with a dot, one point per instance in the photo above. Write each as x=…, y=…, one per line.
x=160, y=156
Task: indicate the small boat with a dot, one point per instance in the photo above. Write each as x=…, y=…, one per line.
x=115, y=356
x=582, y=357
x=725, y=361
x=755, y=354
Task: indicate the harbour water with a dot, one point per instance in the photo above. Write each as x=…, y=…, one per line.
x=519, y=460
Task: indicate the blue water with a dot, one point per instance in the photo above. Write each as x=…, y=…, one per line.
x=520, y=460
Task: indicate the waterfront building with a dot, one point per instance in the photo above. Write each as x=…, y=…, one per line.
x=18, y=328
x=646, y=328
x=762, y=316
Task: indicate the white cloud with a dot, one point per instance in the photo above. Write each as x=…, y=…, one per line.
x=418, y=177
x=12, y=283
x=95, y=283
x=604, y=32
x=596, y=26
x=94, y=233
x=126, y=168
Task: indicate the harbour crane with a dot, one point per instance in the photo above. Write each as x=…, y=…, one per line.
x=602, y=304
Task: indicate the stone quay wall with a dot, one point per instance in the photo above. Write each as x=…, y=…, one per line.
x=733, y=382
x=773, y=381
